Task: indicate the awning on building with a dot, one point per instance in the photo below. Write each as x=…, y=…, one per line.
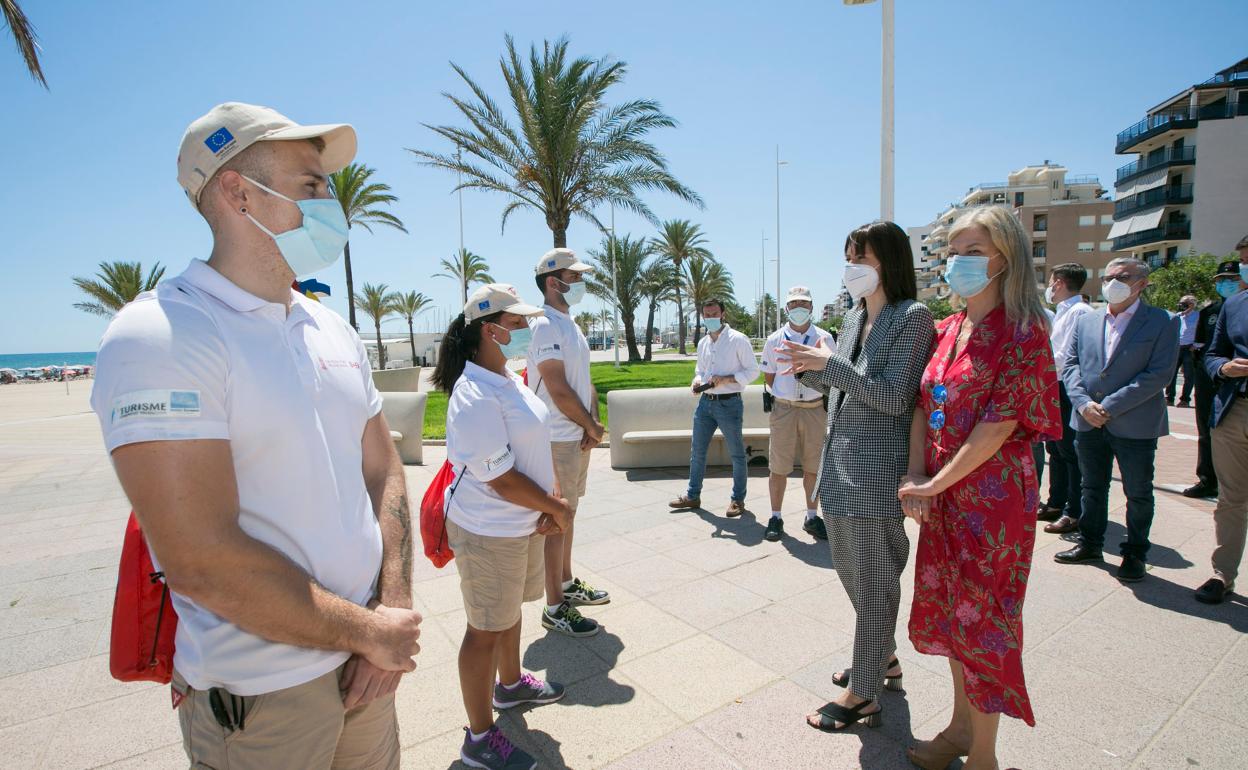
x=1136, y=224
x=1144, y=182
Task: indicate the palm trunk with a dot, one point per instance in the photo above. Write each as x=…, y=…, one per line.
x=411, y=338
x=346, y=258
x=561, y=238
x=680, y=323
x=649, y=325
x=381, y=348
x=630, y=337
x=697, y=326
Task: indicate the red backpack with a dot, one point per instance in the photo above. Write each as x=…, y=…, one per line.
x=433, y=515
x=144, y=621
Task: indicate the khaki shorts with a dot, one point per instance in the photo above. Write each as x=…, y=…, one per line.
x=796, y=431
x=571, y=469
x=496, y=575
x=304, y=726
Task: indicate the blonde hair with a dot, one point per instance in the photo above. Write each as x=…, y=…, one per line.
x=1018, y=282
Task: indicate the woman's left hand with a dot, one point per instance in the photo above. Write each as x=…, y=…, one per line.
x=917, y=486
x=803, y=358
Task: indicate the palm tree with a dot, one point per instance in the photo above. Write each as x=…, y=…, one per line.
x=617, y=278
x=409, y=306
x=359, y=199
x=678, y=241
x=585, y=320
x=705, y=279
x=117, y=284
x=658, y=284
x=377, y=302
x=568, y=152
x=24, y=35
x=466, y=268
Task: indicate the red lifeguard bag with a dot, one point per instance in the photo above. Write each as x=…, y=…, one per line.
x=144, y=621
x=433, y=515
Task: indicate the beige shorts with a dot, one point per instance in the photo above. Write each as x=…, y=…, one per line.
x=496, y=575
x=796, y=432
x=303, y=726
x=571, y=469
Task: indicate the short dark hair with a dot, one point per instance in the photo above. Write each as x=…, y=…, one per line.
x=716, y=302
x=891, y=247
x=540, y=279
x=1243, y=243
x=1073, y=275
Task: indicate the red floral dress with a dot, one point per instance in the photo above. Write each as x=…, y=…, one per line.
x=974, y=552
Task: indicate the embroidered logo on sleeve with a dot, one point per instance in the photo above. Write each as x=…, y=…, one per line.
x=497, y=460
x=156, y=403
x=548, y=349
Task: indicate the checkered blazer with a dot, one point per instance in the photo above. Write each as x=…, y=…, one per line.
x=870, y=406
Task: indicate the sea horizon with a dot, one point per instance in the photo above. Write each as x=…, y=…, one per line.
x=34, y=360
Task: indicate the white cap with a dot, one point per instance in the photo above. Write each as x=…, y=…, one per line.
x=799, y=293
x=560, y=259
x=497, y=298
x=232, y=127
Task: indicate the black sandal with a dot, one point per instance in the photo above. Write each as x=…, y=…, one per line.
x=841, y=679
x=832, y=713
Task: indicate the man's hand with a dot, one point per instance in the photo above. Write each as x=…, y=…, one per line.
x=392, y=642
x=592, y=436
x=1236, y=367
x=1095, y=414
x=916, y=493
x=557, y=522
x=362, y=682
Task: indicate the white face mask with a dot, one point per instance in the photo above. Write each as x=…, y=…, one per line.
x=799, y=316
x=1116, y=292
x=860, y=280
x=1048, y=295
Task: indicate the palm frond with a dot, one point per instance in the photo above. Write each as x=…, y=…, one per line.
x=24, y=35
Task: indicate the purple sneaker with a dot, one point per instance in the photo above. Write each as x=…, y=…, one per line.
x=494, y=752
x=529, y=689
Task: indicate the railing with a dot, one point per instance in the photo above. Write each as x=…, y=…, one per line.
x=1154, y=124
x=1165, y=195
x=1083, y=179
x=1171, y=231
x=1226, y=78
x=1171, y=157
x=987, y=186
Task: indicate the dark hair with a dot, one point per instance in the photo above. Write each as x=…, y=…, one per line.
x=459, y=346
x=540, y=280
x=716, y=302
x=891, y=247
x=1243, y=243
x=1073, y=275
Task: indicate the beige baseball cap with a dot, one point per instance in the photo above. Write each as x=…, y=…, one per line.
x=232, y=127
x=497, y=298
x=561, y=259
x=800, y=293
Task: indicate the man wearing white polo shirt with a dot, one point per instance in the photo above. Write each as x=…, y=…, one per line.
x=246, y=432
x=558, y=372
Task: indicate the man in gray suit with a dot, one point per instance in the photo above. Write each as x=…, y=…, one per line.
x=1117, y=366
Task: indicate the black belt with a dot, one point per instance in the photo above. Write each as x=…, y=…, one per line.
x=720, y=396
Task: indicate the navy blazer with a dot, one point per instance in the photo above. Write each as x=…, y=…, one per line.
x=1129, y=385
x=1230, y=340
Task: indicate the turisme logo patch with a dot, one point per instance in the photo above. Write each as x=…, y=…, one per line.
x=219, y=140
x=156, y=403
x=497, y=460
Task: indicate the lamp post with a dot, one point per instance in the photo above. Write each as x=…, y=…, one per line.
x=615, y=252
x=762, y=282
x=886, y=105
x=779, y=163
x=459, y=188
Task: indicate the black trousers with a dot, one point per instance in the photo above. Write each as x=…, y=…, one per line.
x=1185, y=364
x=1065, y=480
x=1205, y=390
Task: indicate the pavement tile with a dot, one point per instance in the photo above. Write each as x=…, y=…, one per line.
x=22, y=745
x=653, y=574
x=707, y=602
x=1223, y=695
x=633, y=630
x=107, y=732
x=685, y=748
x=1197, y=740
x=776, y=577
x=37, y=650
x=780, y=638
x=162, y=758
x=697, y=675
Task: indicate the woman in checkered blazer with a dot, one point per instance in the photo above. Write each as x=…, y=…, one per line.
x=872, y=378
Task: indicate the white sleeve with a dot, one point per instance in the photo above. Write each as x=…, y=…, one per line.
x=546, y=345
x=162, y=374
x=371, y=394
x=749, y=366
x=476, y=434
x=769, y=356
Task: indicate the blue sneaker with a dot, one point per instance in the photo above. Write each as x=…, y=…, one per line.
x=494, y=752
x=529, y=689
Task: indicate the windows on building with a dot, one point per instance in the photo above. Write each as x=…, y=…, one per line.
x=1088, y=220
x=1086, y=246
x=1107, y=245
x=1107, y=219
x=1041, y=223
x=1039, y=250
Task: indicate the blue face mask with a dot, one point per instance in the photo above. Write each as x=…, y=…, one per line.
x=1227, y=287
x=518, y=347
x=1243, y=272
x=712, y=324
x=967, y=275
x=318, y=242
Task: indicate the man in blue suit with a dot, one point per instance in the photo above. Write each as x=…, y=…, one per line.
x=1118, y=362
x=1227, y=364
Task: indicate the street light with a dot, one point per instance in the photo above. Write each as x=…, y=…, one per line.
x=886, y=105
x=779, y=163
x=762, y=282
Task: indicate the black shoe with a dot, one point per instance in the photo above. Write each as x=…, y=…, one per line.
x=1131, y=570
x=1072, y=537
x=1063, y=525
x=1049, y=512
x=1201, y=489
x=1183, y=404
x=775, y=529
x=1214, y=591
x=816, y=528
x=1080, y=554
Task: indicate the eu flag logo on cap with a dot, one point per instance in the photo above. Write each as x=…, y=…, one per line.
x=551, y=263
x=483, y=305
x=219, y=140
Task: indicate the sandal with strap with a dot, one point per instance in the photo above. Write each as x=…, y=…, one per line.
x=893, y=683
x=937, y=753
x=833, y=713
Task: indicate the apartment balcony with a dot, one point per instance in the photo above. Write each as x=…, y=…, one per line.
x=1166, y=195
x=1184, y=156
x=1072, y=181
x=1154, y=125
x=1171, y=231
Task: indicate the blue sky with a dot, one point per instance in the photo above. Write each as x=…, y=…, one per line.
x=982, y=87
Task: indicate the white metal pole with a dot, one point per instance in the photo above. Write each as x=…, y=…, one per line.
x=615, y=253
x=460, y=179
x=779, y=163
x=886, y=112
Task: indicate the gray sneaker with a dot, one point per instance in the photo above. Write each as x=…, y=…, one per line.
x=583, y=593
x=529, y=689
x=494, y=752
x=568, y=620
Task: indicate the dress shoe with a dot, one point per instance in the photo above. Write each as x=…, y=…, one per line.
x=1048, y=513
x=1080, y=554
x=1062, y=526
x=1185, y=404
x=685, y=501
x=1201, y=489
x=1214, y=591
x=1131, y=570
x=1072, y=537
x=735, y=509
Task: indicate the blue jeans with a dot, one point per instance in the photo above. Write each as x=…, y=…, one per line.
x=725, y=414
x=1097, y=451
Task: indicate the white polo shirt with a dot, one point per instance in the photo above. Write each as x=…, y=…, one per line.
x=786, y=386
x=557, y=338
x=200, y=358
x=729, y=355
x=493, y=424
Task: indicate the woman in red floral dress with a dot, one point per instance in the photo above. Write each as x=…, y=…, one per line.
x=988, y=393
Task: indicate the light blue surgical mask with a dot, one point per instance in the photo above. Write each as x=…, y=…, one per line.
x=318, y=242
x=967, y=275
x=1227, y=287
x=712, y=324
x=1243, y=272
x=518, y=347
x=799, y=315
x=575, y=292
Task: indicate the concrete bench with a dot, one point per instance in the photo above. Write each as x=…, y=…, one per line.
x=405, y=380
x=653, y=428
x=405, y=413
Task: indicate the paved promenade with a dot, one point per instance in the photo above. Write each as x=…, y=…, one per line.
x=715, y=646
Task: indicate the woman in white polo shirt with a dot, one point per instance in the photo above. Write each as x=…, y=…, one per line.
x=500, y=506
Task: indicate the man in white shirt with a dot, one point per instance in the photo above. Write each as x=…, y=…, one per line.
x=558, y=372
x=1064, y=506
x=247, y=434
x=726, y=365
x=1188, y=318
x=798, y=416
